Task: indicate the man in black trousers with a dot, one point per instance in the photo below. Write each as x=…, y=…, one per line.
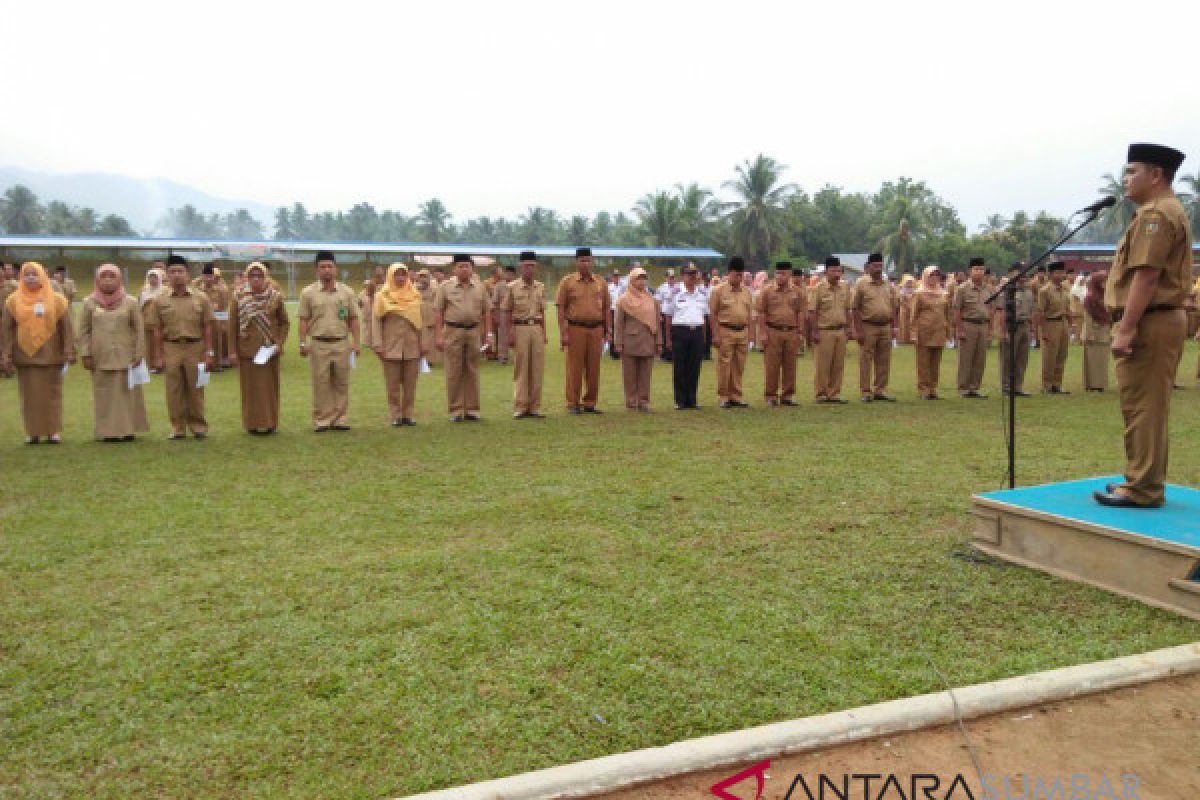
x=687, y=322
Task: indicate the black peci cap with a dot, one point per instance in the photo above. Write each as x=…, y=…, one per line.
x=172, y=260
x=527, y=255
x=976, y=262
x=583, y=252
x=737, y=264
x=461, y=257
x=324, y=255
x=833, y=261
x=784, y=266
x=1055, y=266
x=1157, y=154
x=875, y=257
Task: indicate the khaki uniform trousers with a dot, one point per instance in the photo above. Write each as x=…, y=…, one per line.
x=636, y=372
x=400, y=379
x=185, y=403
x=529, y=360
x=584, y=348
x=875, y=355
x=779, y=360
x=1054, y=352
x=831, y=364
x=1020, y=341
x=731, y=363
x=462, y=370
x=972, y=356
x=428, y=337
x=502, y=328
x=329, y=363
x=1145, y=378
x=929, y=364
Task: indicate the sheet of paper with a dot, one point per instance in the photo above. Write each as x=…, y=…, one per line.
x=353, y=360
x=424, y=366
x=139, y=374
x=221, y=316
x=64, y=372
x=265, y=353
x=202, y=376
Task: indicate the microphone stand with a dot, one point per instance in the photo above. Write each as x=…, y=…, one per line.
x=1009, y=288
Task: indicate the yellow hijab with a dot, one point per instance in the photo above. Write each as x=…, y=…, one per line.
x=33, y=329
x=392, y=299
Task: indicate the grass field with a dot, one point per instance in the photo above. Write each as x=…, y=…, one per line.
x=385, y=611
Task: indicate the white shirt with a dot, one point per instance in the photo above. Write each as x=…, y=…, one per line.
x=665, y=293
x=687, y=308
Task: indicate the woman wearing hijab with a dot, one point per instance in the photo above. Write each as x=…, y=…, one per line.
x=637, y=339
x=38, y=341
x=1096, y=334
x=907, y=287
x=156, y=281
x=112, y=340
x=258, y=318
x=396, y=325
x=930, y=330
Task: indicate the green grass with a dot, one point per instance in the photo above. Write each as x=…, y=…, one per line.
x=386, y=611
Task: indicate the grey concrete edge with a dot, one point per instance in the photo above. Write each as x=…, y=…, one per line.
x=609, y=773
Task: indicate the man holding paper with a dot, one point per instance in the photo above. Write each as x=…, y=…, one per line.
x=182, y=321
x=258, y=325
x=328, y=313
x=112, y=342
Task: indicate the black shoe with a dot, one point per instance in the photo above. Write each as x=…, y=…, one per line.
x=396, y=423
x=887, y=398
x=533, y=415
x=787, y=402
x=473, y=418
x=726, y=404
x=201, y=435
x=457, y=418
x=341, y=427
x=974, y=395
x=408, y=421
x=591, y=410
x=837, y=401
x=739, y=404
x=575, y=410
x=1023, y=394
x=1115, y=500
x=269, y=432
x=127, y=438
x=111, y=439
x=868, y=398
x=321, y=429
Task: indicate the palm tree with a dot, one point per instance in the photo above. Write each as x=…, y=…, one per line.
x=757, y=215
x=1115, y=220
x=579, y=230
x=283, y=224
x=698, y=209
x=661, y=217
x=20, y=211
x=59, y=219
x=994, y=224
x=538, y=225
x=114, y=225
x=1191, y=198
x=899, y=250
x=434, y=218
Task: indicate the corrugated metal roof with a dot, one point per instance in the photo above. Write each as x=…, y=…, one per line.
x=227, y=245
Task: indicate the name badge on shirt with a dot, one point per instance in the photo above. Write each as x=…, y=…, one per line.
x=342, y=313
x=39, y=309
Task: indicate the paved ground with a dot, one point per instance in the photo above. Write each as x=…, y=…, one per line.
x=1151, y=732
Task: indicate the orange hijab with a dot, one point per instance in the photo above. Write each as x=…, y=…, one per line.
x=638, y=303
x=34, y=329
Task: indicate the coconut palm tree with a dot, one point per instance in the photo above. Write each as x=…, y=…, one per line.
x=579, y=231
x=539, y=225
x=434, y=219
x=699, y=210
x=899, y=250
x=20, y=211
x=661, y=217
x=1115, y=220
x=757, y=214
x=1191, y=198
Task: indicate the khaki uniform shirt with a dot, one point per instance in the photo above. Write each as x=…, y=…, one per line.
x=931, y=318
x=1054, y=302
x=727, y=307
x=830, y=304
x=427, y=297
x=499, y=293
x=526, y=302
x=1024, y=304
x=114, y=339
x=969, y=302
x=328, y=313
x=53, y=353
x=782, y=307
x=181, y=316
x=396, y=337
x=875, y=303
x=464, y=305
x=1158, y=237
x=582, y=300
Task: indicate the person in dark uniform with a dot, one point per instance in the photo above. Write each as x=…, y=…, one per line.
x=687, y=321
x=1145, y=295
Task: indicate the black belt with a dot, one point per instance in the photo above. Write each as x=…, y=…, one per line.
x=788, y=328
x=578, y=323
x=732, y=327
x=526, y=322
x=182, y=340
x=976, y=321
x=462, y=325
x=330, y=338
x=1120, y=312
x=888, y=323
x=687, y=327
x=831, y=327
x=1054, y=319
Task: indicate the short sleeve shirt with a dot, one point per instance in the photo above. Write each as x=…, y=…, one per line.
x=730, y=307
x=970, y=302
x=830, y=303
x=1054, y=302
x=328, y=313
x=526, y=301
x=462, y=304
x=1158, y=237
x=781, y=306
x=583, y=300
x=875, y=302
x=181, y=316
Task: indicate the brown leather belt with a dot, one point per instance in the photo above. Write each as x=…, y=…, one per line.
x=1120, y=312
x=788, y=328
x=330, y=338
x=526, y=322
x=976, y=321
x=831, y=327
x=733, y=327
x=182, y=340
x=579, y=323
x=885, y=323
x=462, y=325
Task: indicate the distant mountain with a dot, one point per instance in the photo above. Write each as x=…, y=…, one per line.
x=142, y=202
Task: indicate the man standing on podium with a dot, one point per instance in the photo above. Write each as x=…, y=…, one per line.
x=1145, y=295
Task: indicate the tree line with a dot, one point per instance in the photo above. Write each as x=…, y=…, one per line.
x=760, y=215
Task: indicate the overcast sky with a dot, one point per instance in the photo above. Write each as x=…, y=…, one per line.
x=494, y=107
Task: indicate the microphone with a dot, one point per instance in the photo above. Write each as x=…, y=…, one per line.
x=1099, y=205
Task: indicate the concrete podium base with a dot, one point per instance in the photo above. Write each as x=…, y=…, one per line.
x=1151, y=555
